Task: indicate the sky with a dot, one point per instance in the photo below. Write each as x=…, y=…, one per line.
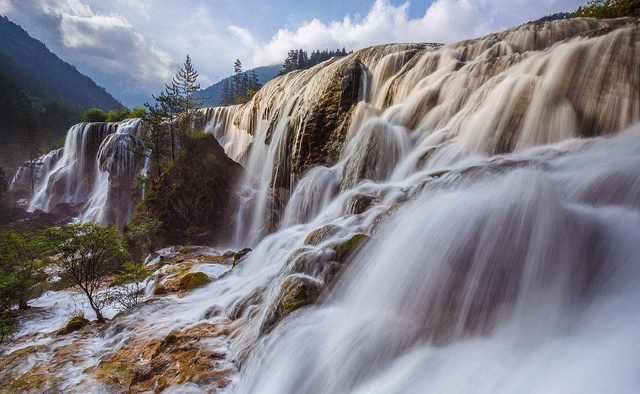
x=131, y=47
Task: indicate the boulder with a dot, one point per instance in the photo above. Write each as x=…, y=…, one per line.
x=346, y=249
x=76, y=323
x=296, y=291
x=192, y=280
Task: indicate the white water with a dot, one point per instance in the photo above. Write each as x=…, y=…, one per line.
x=98, y=160
x=503, y=253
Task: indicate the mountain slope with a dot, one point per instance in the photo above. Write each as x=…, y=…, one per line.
x=44, y=75
x=41, y=96
x=212, y=96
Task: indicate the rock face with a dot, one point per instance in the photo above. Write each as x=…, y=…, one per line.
x=195, y=197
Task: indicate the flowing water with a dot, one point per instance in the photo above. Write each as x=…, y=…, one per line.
x=95, y=170
x=497, y=183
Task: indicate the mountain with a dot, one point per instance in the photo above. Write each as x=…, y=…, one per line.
x=45, y=75
x=212, y=96
x=40, y=96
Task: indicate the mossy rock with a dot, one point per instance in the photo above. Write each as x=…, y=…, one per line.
x=193, y=280
x=76, y=323
x=115, y=373
x=346, y=249
x=160, y=290
x=358, y=204
x=33, y=381
x=297, y=291
x=169, y=340
x=319, y=235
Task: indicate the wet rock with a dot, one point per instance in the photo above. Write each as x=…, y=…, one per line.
x=321, y=234
x=115, y=373
x=346, y=249
x=240, y=255
x=76, y=323
x=297, y=291
x=193, y=280
x=358, y=204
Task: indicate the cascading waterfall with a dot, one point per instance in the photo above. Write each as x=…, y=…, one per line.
x=95, y=169
x=524, y=281
x=534, y=85
x=494, y=267
x=465, y=216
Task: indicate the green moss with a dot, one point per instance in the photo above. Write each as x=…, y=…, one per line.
x=347, y=248
x=76, y=323
x=160, y=290
x=32, y=382
x=169, y=340
x=194, y=280
x=115, y=373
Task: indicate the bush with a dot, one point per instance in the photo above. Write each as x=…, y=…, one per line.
x=94, y=115
x=609, y=9
x=118, y=115
x=22, y=260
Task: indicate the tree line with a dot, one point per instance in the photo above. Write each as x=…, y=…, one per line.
x=298, y=59
x=241, y=87
x=609, y=9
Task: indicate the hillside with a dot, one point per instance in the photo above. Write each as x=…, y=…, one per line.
x=45, y=75
x=212, y=96
x=40, y=96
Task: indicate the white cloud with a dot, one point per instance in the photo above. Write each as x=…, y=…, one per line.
x=132, y=47
x=105, y=46
x=444, y=21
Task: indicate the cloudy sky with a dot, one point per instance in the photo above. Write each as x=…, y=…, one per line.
x=132, y=46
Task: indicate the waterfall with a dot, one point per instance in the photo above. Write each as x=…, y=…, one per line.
x=423, y=218
x=523, y=280
x=501, y=225
x=95, y=170
x=402, y=108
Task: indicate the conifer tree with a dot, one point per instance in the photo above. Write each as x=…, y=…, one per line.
x=237, y=79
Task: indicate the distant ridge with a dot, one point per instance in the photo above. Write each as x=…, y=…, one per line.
x=212, y=96
x=43, y=75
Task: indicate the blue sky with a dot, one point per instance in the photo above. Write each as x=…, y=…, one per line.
x=131, y=46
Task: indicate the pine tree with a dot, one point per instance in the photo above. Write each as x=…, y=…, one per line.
x=227, y=92
x=237, y=79
x=186, y=81
x=254, y=84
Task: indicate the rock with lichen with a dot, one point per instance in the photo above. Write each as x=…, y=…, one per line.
x=296, y=291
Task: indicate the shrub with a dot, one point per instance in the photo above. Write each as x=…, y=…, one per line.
x=609, y=9
x=94, y=115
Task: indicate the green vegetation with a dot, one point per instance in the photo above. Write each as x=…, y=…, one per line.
x=98, y=115
x=85, y=255
x=184, y=205
x=41, y=96
x=241, y=87
x=23, y=257
x=298, y=59
x=609, y=9
x=74, y=324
